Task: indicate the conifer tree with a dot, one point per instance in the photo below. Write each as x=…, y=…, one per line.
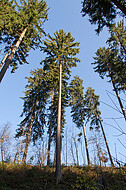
x=78, y=107
x=34, y=111
x=103, y=12
x=25, y=32
x=93, y=115
x=61, y=50
x=111, y=61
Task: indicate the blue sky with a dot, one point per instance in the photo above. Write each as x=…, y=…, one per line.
x=66, y=15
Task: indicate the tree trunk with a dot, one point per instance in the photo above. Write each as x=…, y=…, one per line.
x=119, y=6
x=19, y=150
x=50, y=131
x=27, y=143
x=9, y=59
x=72, y=153
x=106, y=143
x=76, y=151
x=15, y=157
x=5, y=57
x=55, y=157
x=66, y=147
x=85, y=138
x=2, y=155
x=58, y=134
x=61, y=148
x=119, y=100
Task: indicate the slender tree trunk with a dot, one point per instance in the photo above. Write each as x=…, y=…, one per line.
x=61, y=152
x=72, y=153
x=58, y=137
x=82, y=152
x=8, y=60
x=44, y=154
x=27, y=143
x=66, y=147
x=85, y=138
x=119, y=100
x=15, y=157
x=120, y=6
x=2, y=155
x=55, y=157
x=50, y=131
x=110, y=157
x=5, y=57
x=19, y=151
x=76, y=151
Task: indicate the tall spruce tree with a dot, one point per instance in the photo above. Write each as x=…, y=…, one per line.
x=24, y=33
x=111, y=61
x=93, y=115
x=103, y=12
x=61, y=50
x=53, y=112
x=34, y=111
x=77, y=104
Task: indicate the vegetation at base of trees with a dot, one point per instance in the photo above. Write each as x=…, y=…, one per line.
x=18, y=177
x=103, y=12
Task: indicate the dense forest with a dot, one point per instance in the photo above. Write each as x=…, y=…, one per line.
x=46, y=153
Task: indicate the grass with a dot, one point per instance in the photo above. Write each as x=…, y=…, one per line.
x=19, y=177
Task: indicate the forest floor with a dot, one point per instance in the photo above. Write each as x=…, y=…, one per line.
x=20, y=177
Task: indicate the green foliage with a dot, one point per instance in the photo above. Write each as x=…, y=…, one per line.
x=83, y=106
x=77, y=101
x=31, y=14
x=35, y=100
x=111, y=61
x=102, y=12
x=92, y=110
x=61, y=47
x=19, y=177
x=85, y=183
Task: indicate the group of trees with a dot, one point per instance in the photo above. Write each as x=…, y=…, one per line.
x=48, y=91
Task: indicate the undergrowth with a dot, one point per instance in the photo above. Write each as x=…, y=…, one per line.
x=26, y=177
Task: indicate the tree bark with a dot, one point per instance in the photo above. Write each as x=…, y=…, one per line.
x=19, y=150
x=110, y=157
x=66, y=147
x=76, y=151
x=120, y=6
x=119, y=100
x=27, y=143
x=15, y=157
x=72, y=153
x=50, y=131
x=85, y=138
x=14, y=49
x=55, y=157
x=2, y=157
x=5, y=57
x=58, y=134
